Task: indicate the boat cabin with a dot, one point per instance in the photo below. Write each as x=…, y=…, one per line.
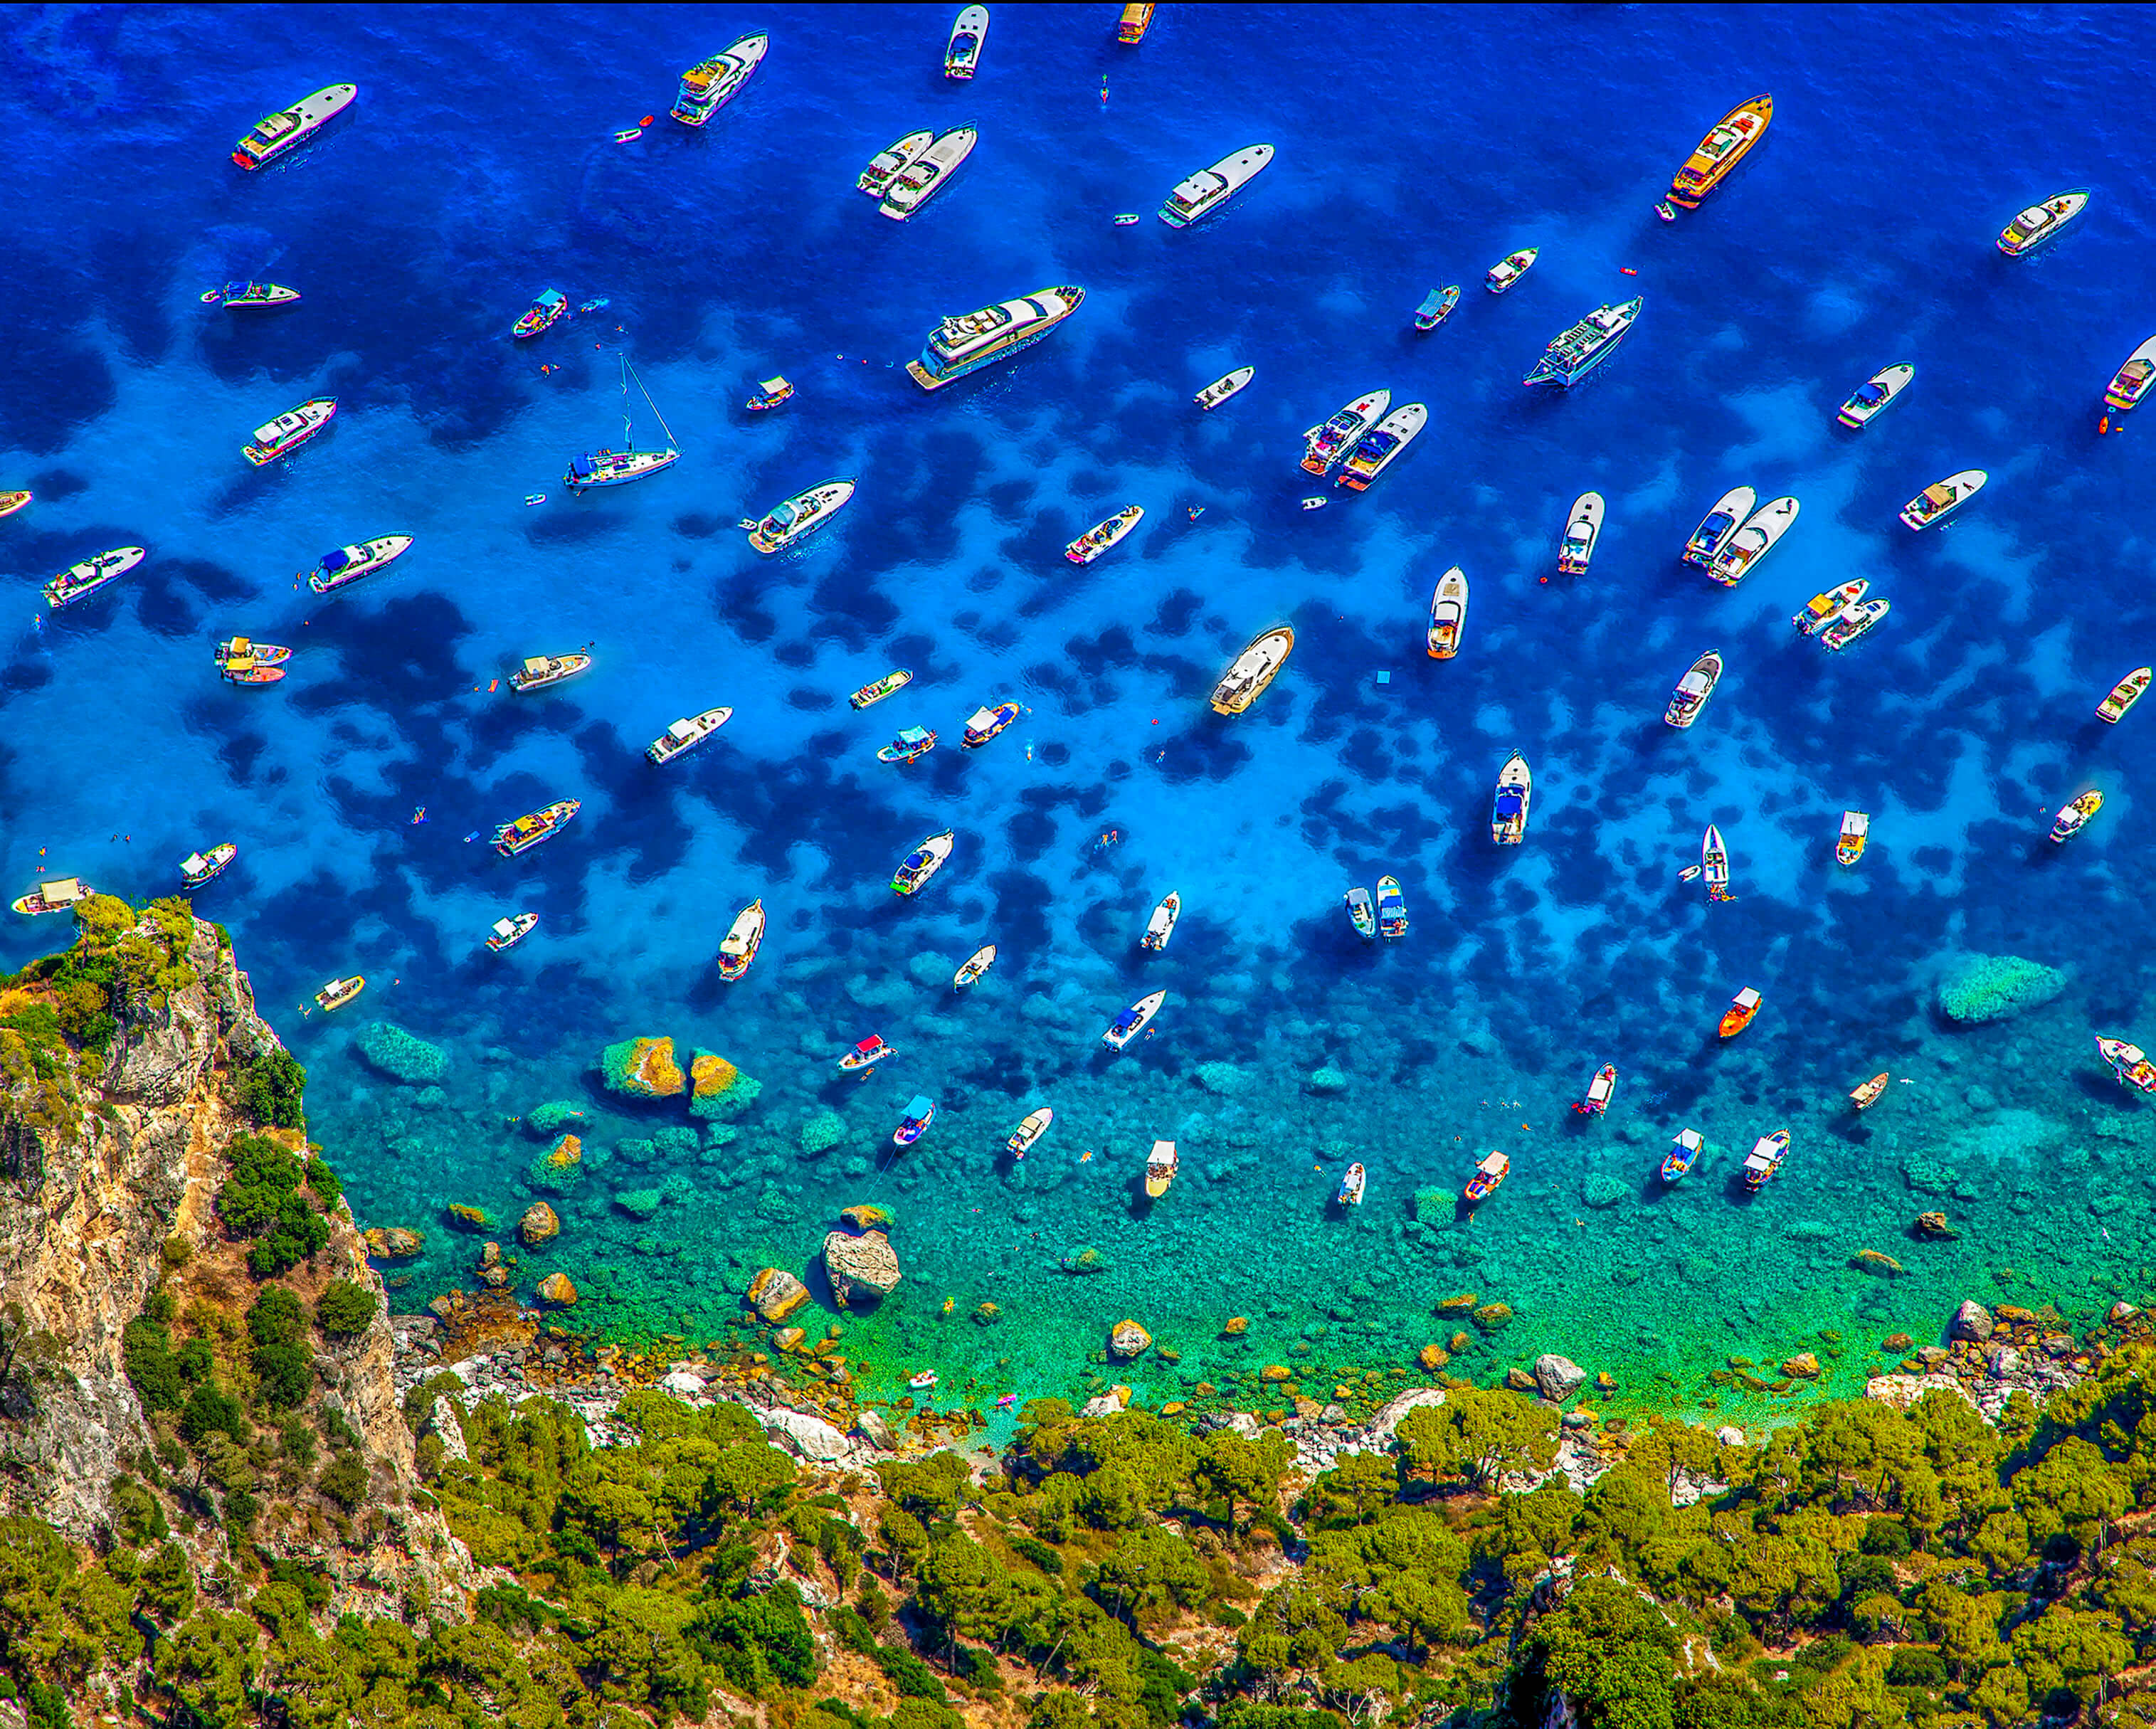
x=919, y=1108
x=63, y=891
x=965, y=332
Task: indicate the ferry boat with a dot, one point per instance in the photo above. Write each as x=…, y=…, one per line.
x=1750, y=543
x=338, y=992
x=1250, y=671
x=1375, y=450
x=1162, y=925
x=1362, y=913
x=1436, y=307
x=1693, y=690
x=551, y=306
x=1352, y=1182
x=285, y=434
x=922, y=178
x=911, y=746
x=966, y=341
x=55, y=894
x=1855, y=836
x=1938, y=502
x=866, y=1055
x=976, y=964
x=1508, y=812
x=1866, y=1095
x=1735, y=1018
x=1447, y=615
x=770, y=392
x=91, y=574
x=1678, y=1159
x=1872, y=397
x=1137, y=18
x=743, y=938
x=887, y=165
x=541, y=670
x=2129, y=1062
x=1600, y=1092
x=1489, y=1174
x=1510, y=268
x=1580, y=350
x=1329, y=440
x=962, y=53
x=1718, y=524
x=198, y=868
x=2130, y=382
x=1854, y=622
x=1133, y=1020
x=1725, y=146
x=526, y=832
x=709, y=85
x=615, y=468
x=2069, y=821
x=1714, y=864
x=1223, y=387
x=923, y=862
x=348, y=564
x=1822, y=609
x=1582, y=530
x=1103, y=535
x=2040, y=224
x=919, y=1112
x=1392, y=910
x=2128, y=691
x=1027, y=1135
x=11, y=502
x=984, y=723
x=289, y=128
x=798, y=516
x=1765, y=1157
x=1191, y=200
x=1161, y=1162
x=241, y=296
x=686, y=735
x=890, y=684
x=507, y=933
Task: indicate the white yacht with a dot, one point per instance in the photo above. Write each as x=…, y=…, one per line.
x=1853, y=623
x=797, y=516
x=1329, y=440
x=1582, y=530
x=348, y=564
x=1577, y=351
x=91, y=574
x=1511, y=267
x=1508, y=812
x=684, y=735
x=1447, y=615
x=709, y=85
x=1871, y=397
x=962, y=53
x=1374, y=451
x=1693, y=690
x=1250, y=671
x=922, y=178
x=1205, y=192
x=2040, y=224
x=966, y=341
x=1718, y=524
x=885, y=164
x=1750, y=543
x=288, y=431
x=1936, y=503
x=1223, y=387
x=289, y=128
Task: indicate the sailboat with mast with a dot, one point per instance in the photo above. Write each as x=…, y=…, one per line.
x=617, y=468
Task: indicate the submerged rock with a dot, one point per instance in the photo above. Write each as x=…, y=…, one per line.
x=1127, y=1339
x=1223, y=1080
x=866, y=1265
x=642, y=1069
x=866, y=1216
x=466, y=1219
x=1558, y=1378
x=640, y=1203
x=552, y=1118
x=392, y=1241
x=1989, y=987
x=559, y=1290
x=1602, y=1190
x=540, y=1225
x=775, y=1294
x=822, y=1132
x=717, y=1088
x=389, y=1049
x=1328, y=1082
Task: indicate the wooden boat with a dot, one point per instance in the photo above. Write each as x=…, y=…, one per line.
x=1729, y=513
x=770, y=392
x=866, y=1055
x=887, y=165
x=198, y=868
x=1160, y=1169
x=1494, y=1168
x=1352, y=1183
x=11, y=502
x=684, y=735
x=1599, y=1091
x=1582, y=530
x=551, y=305
x=1447, y=615
x=1739, y=1015
x=55, y=894
x=1510, y=268
x=1437, y=307
x=541, y=670
x=921, y=180
x=1766, y=1158
x=1678, y=1159
x=1693, y=690
x=2069, y=822
x=338, y=992
x=2129, y=1063
x=923, y=862
x=919, y=1112
x=1852, y=623
x=2128, y=691
x=1027, y=1136
x=1392, y=910
x=2042, y=223
x=985, y=722
x=962, y=53
x=1873, y=396
x=1727, y=145
x=1132, y=1021
x=1162, y=925
x=2128, y=385
x=1940, y=500
x=1822, y=609
x=1250, y=671
x=526, y=832
x=508, y=932
x=1508, y=812
x=1103, y=535
x=1745, y=548
x=1714, y=864
x=738, y=946
x=1361, y=913
x=889, y=684
x=1137, y=19
x=977, y=963
x=1864, y=1097
x=1855, y=833
x=911, y=746
x=240, y=295
x=285, y=434
x=1223, y=387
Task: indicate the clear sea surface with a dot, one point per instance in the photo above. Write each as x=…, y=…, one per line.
x=1415, y=147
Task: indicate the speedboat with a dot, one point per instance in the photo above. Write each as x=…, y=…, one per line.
x=962, y=53
x=1714, y=864
x=1375, y=450
x=608, y=467
x=984, y=723
x=1027, y=1135
x=1853, y=622
x=1250, y=671
x=1579, y=350
x=1197, y=197
x=1716, y=527
x=2131, y=382
x=1491, y=1170
x=922, y=178
x=1739, y=1015
x=198, y=868
x=1352, y=1183
x=1103, y=535
x=923, y=862
x=798, y=516
x=2128, y=691
x=1437, y=307
x=348, y=564
x=1874, y=394
x=1678, y=1159
x=2129, y=1063
x=1447, y=615
x=770, y=392
x=1856, y=834
x=1666, y=210
x=1693, y=690
x=919, y=1112
x=1750, y=543
x=1867, y=1095
x=744, y=938
x=240, y=295
x=684, y=735
x=338, y=992
x=1131, y=28
x=1329, y=440
x=1508, y=812
x=1223, y=387
x=92, y=574
x=890, y=684
x=2074, y=817
x=285, y=434
x=911, y=746
x=1822, y=609
x=526, y=832
x=1133, y=1020
x=1316, y=503
x=551, y=306
x=1361, y=913
x=541, y=670
x=1160, y=1169
x=709, y=85
x=1162, y=925
x=1727, y=145
x=289, y=128
x=977, y=963
x=1765, y=1157
x=55, y=894
x=1938, y=502
x=1511, y=268
x=508, y=932
x=966, y=341
x=866, y=1055
x=1392, y=910
x=2040, y=224
x=1600, y=1090
x=885, y=165
x=1128, y=219
x=1582, y=530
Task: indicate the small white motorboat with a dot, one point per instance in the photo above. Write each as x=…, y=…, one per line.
x=1162, y=925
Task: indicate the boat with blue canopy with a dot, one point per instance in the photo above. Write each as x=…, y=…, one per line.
x=1437, y=307
x=919, y=1112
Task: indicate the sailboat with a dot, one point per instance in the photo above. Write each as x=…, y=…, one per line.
x=1714, y=860
x=617, y=468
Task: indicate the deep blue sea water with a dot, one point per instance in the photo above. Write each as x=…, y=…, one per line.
x=1416, y=146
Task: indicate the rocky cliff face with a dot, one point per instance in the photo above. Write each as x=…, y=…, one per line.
x=109, y=1193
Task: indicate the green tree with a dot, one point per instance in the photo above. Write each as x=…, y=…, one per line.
x=345, y=1308
x=1611, y=1654
x=207, y=1663
x=1147, y=1571
x=2067, y=1651
x=1241, y=1472
x=1477, y=1437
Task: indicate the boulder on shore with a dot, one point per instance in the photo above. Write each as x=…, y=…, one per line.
x=1558, y=1378
x=557, y=1289
x=1972, y=1321
x=863, y=1266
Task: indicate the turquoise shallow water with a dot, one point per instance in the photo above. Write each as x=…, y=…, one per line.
x=1856, y=235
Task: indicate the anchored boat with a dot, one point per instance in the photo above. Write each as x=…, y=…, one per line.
x=1864, y=1095
x=866, y=1055
x=1490, y=1172
x=1716, y=527
x=1133, y=1020
x=1938, y=502
x=1855, y=836
x=1727, y=145
x=743, y=938
x=338, y=992
x=2040, y=224
x=1739, y=1015
x=911, y=746
x=1693, y=690
x=508, y=932
x=919, y=1112
x=770, y=392
x=889, y=684
x=285, y=434
x=198, y=868
x=2128, y=691
x=1853, y=622
x=1678, y=1159
x=289, y=128
x=91, y=574
x=1580, y=350
x=1582, y=530
x=1447, y=615
x=1392, y=910
x=1714, y=864
x=1437, y=307
x=617, y=468
x=1103, y=535
x=1223, y=387
x=2129, y=1062
x=2131, y=382
x=541, y=670
x=915, y=184
x=923, y=862
x=966, y=341
x=684, y=735
x=11, y=502
x=2071, y=821
x=1361, y=913
x=709, y=85
x=526, y=832
x=1374, y=452
x=1600, y=1090
x=1325, y=443
x=243, y=661
x=1871, y=397
x=798, y=516
x=1750, y=543
x=1821, y=610
x=984, y=723
x=548, y=310
x=1353, y=1181
x=1510, y=268
x=887, y=165
x=1161, y=1162
x=240, y=295
x=55, y=894
x=1508, y=812
x=1250, y=671
x=1027, y=1135
x=1765, y=1157
x=1197, y=197
x=962, y=53
x=1162, y=925
x=1138, y=17
x=977, y=963
x=348, y=564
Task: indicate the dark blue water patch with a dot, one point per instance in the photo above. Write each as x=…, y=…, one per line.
x=851, y=612
x=698, y=526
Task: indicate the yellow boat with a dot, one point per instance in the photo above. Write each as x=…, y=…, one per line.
x=1137, y=18
x=1721, y=150
x=11, y=502
x=338, y=992
x=1855, y=830
x=1160, y=1168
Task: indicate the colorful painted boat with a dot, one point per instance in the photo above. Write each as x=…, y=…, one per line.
x=1864, y=1095
x=1727, y=145
x=1735, y=1018
x=527, y=832
x=920, y=1113
x=1437, y=307
x=55, y=894
x=1822, y=609
x=546, y=310
x=1489, y=1175
x=198, y=868
x=770, y=392
x=1600, y=1090
x=2069, y=821
x=1160, y=1169
x=866, y=1055
x=985, y=722
x=709, y=85
x=1683, y=1152
x=1362, y=913
x=338, y=992
x=1352, y=1182
x=507, y=933
x=744, y=937
x=1765, y=1158
x=1392, y=910
x=911, y=746
x=2129, y=1063
x=1856, y=834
